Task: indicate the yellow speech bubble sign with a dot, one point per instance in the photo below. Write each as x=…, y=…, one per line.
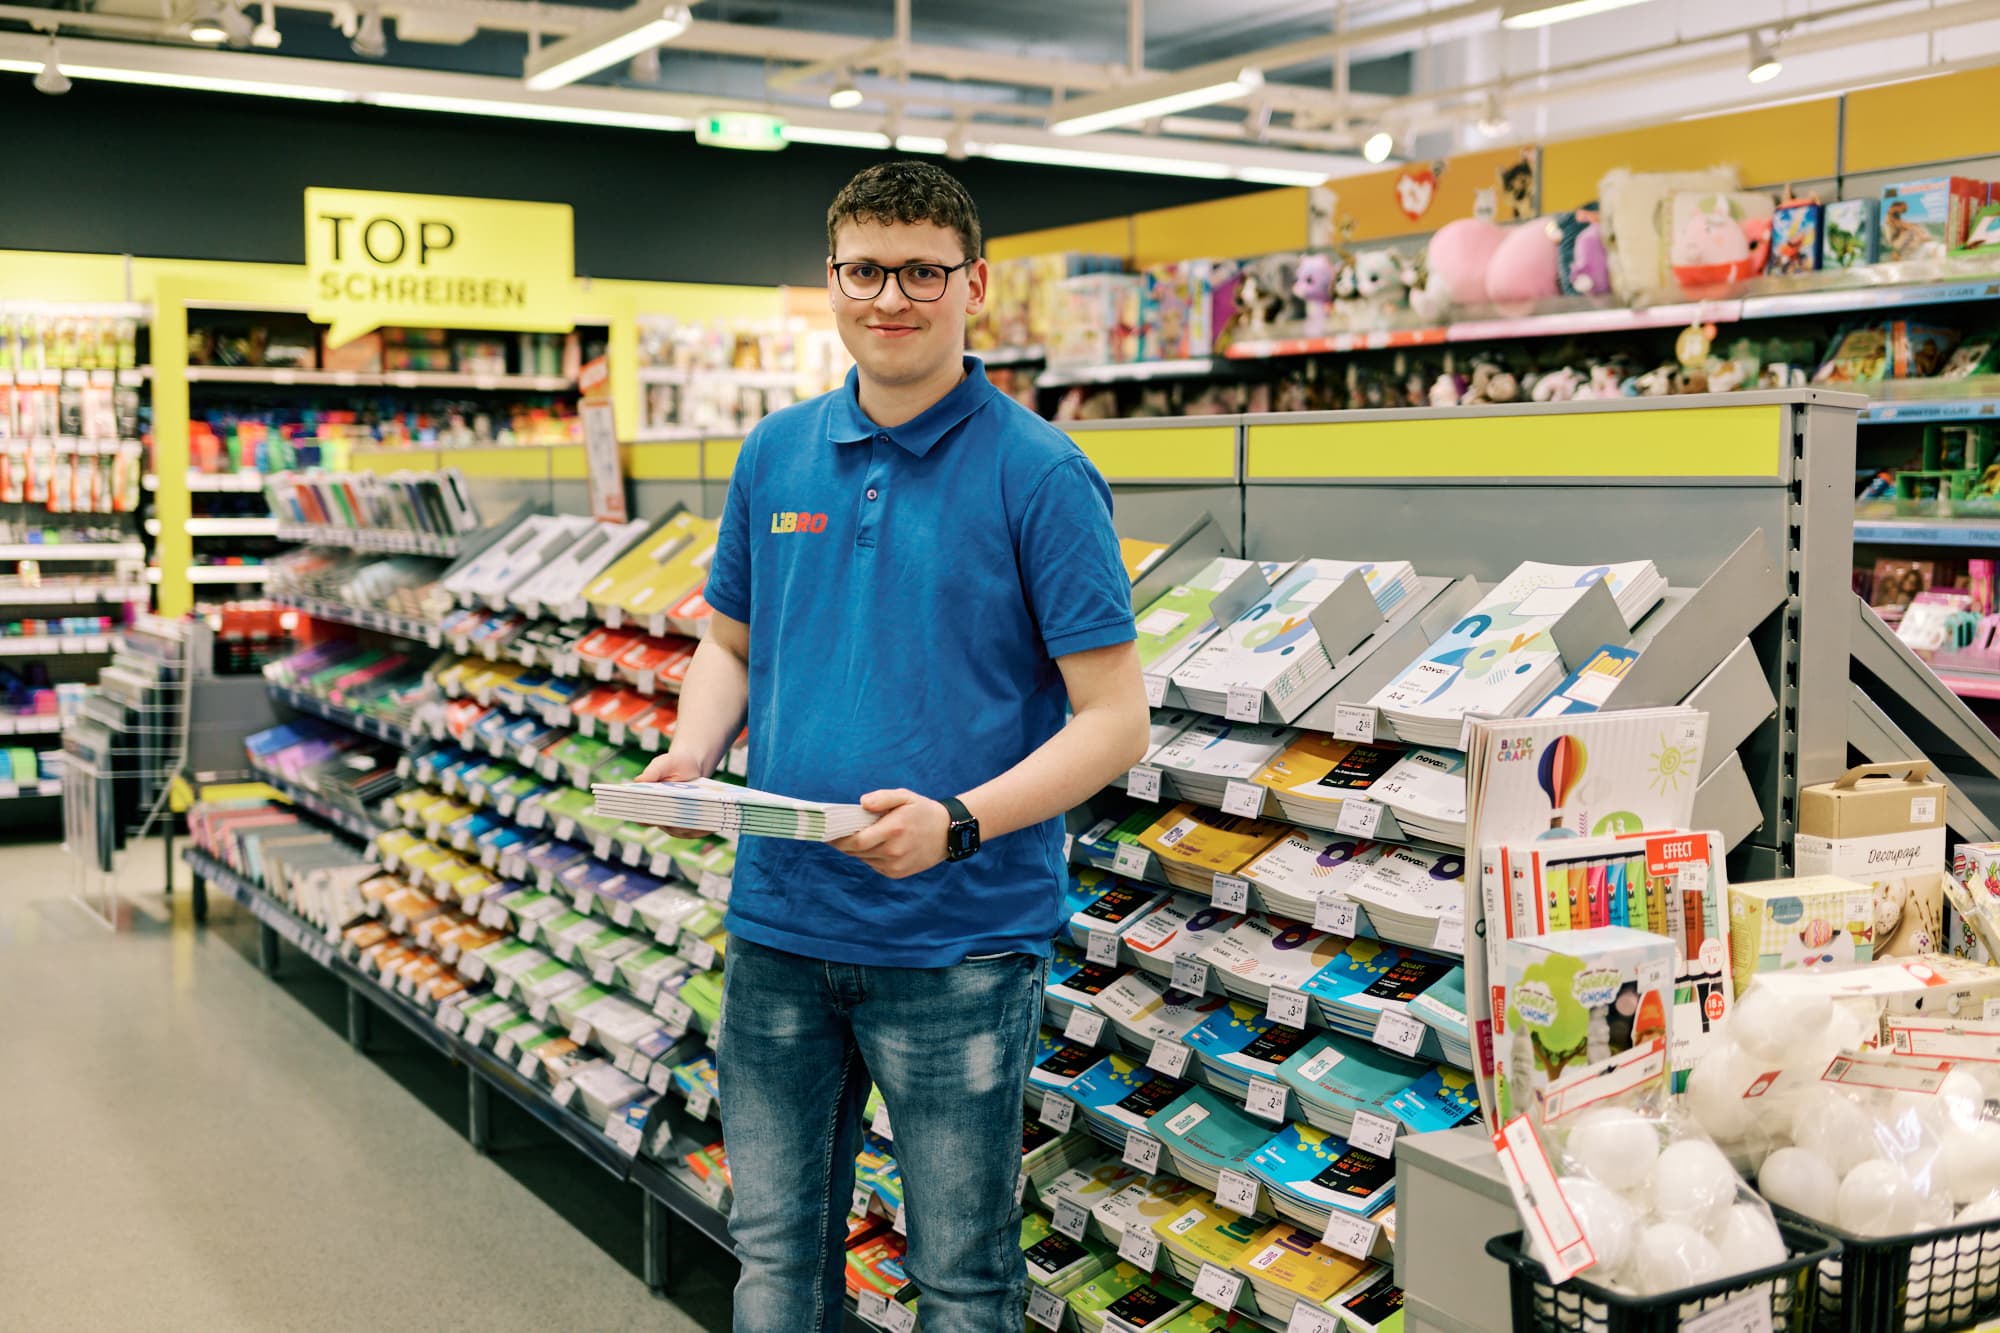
x=437, y=261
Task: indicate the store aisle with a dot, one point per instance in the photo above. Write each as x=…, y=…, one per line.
x=185, y=1145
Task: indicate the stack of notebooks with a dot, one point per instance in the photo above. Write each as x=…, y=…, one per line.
x=1124, y=823
x=1045, y=1154
x=1178, y=622
x=1119, y=1094
x=1441, y=1008
x=1139, y=1205
x=1181, y=926
x=1145, y=1011
x=1272, y=648
x=1287, y=1266
x=1129, y=1294
x=1238, y=1043
x=435, y=504
x=1368, y=979
x=1426, y=790
x=1074, y=983
x=1310, y=1174
x=1301, y=868
x=1193, y=844
x=1265, y=952
x=1499, y=660
x=1410, y=893
x=1058, y=1062
x=1334, y=1076
x=1316, y=773
x=1207, y=755
x=1204, y=1232
x=1207, y=1135
x=1114, y=907
x=721, y=807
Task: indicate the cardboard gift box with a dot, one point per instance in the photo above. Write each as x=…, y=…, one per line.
x=1882, y=825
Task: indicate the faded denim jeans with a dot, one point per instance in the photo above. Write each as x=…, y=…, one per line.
x=949, y=1047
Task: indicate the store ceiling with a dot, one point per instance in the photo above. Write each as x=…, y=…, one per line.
x=980, y=75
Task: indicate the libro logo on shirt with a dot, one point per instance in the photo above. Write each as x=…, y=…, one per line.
x=791, y=522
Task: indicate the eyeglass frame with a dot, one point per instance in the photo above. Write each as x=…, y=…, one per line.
x=896, y=271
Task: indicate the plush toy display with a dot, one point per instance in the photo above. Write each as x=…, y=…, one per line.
x=1314, y=286
x=1427, y=298
x=1720, y=237
x=1523, y=269
x=1378, y=280
x=1635, y=217
x=1458, y=258
x=1582, y=267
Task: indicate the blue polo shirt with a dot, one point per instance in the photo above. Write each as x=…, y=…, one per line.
x=908, y=591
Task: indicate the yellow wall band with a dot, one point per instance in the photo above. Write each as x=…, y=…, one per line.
x=1691, y=442
x=1197, y=453
x=1942, y=117
x=675, y=461
x=382, y=462
x=1248, y=224
x=718, y=458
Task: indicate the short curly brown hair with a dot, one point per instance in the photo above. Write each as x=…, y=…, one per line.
x=904, y=191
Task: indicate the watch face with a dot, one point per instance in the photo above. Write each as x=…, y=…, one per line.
x=962, y=841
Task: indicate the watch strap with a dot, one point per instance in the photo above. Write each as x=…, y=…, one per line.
x=956, y=809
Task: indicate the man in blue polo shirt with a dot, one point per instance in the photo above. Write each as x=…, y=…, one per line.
x=915, y=577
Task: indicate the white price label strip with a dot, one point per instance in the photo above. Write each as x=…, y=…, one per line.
x=1288, y=1007
x=1358, y=818
x=1085, y=1026
x=1142, y=1152
x=1156, y=690
x=1307, y=1318
x=699, y=1102
x=1139, y=1247
x=1190, y=975
x=1350, y=1235
x=1057, y=1112
x=1556, y=1237
x=1237, y=1192
x=1218, y=1287
x=1169, y=1057
x=1244, y=705
x=1748, y=1313
x=1046, y=1308
x=1231, y=893
x=880, y=1125
x=901, y=1318
x=1373, y=1133
x=1070, y=1218
x=1143, y=782
x=1450, y=937
x=1132, y=860
x=874, y=1307
x=1266, y=1099
x=1354, y=722
x=1102, y=946
x=1336, y=916
x=1243, y=798
x=1399, y=1033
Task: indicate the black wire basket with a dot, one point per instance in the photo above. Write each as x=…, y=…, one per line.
x=1582, y=1306
x=1948, y=1278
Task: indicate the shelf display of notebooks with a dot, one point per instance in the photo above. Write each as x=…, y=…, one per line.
x=1500, y=660
x=1274, y=649
x=557, y=587
x=652, y=583
x=524, y=551
x=1208, y=754
x=1173, y=626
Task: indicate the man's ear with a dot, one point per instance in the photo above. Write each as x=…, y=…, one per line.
x=976, y=279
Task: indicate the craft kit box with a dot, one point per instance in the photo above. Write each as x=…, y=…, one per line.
x=1813, y=921
x=1587, y=1015
x=1882, y=825
x=1849, y=226
x=1925, y=219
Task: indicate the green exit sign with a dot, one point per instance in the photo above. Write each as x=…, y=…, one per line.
x=741, y=129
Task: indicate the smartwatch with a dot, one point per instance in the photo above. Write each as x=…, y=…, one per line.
x=962, y=838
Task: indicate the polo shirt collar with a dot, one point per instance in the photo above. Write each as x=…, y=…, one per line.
x=848, y=424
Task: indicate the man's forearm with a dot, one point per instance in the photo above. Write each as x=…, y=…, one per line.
x=1068, y=769
x=713, y=699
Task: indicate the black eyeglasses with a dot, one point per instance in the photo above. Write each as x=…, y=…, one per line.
x=862, y=281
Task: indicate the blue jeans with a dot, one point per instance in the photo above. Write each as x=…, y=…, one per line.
x=949, y=1047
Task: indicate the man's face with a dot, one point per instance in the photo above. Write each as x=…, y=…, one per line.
x=894, y=339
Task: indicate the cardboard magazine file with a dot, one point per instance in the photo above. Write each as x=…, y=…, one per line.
x=1725, y=802
x=1883, y=825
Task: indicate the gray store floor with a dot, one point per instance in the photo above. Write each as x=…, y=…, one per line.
x=185, y=1144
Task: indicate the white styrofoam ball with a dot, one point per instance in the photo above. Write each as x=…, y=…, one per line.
x=1614, y=1145
x=1609, y=1222
x=1715, y=1091
x=1982, y=1210
x=1694, y=1183
x=1801, y=1180
x=1968, y=1164
x=1771, y=1026
x=1673, y=1255
x=1836, y=1127
x=1856, y=1023
x=1747, y=1238
x=1963, y=1097
x=1875, y=1200
x=1986, y=1074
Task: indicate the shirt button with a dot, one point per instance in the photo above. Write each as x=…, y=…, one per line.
x=871, y=492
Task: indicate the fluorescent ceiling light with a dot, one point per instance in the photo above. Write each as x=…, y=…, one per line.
x=920, y=143
x=1281, y=176
x=1764, y=62
x=200, y=83
x=836, y=138
x=1246, y=82
x=1077, y=157
x=1540, y=15
x=567, y=115
x=640, y=28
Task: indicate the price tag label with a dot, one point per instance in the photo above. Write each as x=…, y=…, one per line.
x=714, y=887
x=1354, y=722
x=1057, y=1112
x=615, y=733
x=1140, y=1247
x=503, y=1046
x=1190, y=975
x=472, y=967
x=1169, y=1057
x=1373, y=1133
x=627, y=1136
x=1399, y=1033
x=874, y=1307
x=1236, y=1192
x=451, y=1020
x=1266, y=1099
x=528, y=1065
x=1350, y=1235
x=1243, y=798
x=1143, y=782
x=1358, y=818
x=1286, y=1006
x=1244, y=705
x=1101, y=946
x=580, y=1032
x=1232, y=893
x=1309, y=1318
x=1070, y=1218
x=659, y=1078
x=858, y=1204
x=713, y=1188
x=1335, y=915
x=901, y=1318
x=1046, y=1308
x=583, y=900
x=600, y=845
x=700, y=1102
x=1218, y=1287
x=881, y=1126
x=1132, y=861
x=1450, y=937
x=1156, y=690
x=675, y=1013
x=563, y=1092
x=1142, y=1152
x=901, y=1226
x=698, y=951
x=1748, y=1313
x=1085, y=1026
x=605, y=972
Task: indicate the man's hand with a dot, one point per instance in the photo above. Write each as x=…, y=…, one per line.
x=909, y=838
x=675, y=767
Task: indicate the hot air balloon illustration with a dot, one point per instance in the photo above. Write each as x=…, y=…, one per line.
x=1561, y=768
